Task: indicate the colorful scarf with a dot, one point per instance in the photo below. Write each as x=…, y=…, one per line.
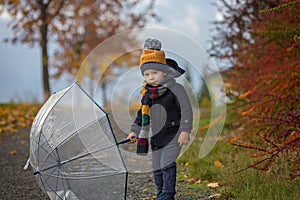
x=149, y=93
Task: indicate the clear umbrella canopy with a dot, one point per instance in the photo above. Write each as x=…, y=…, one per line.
x=73, y=150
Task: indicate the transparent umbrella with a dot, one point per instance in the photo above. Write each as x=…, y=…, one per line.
x=73, y=150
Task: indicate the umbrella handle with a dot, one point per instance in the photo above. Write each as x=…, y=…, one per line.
x=124, y=141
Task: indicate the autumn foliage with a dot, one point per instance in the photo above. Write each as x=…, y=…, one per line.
x=75, y=27
x=264, y=82
x=16, y=116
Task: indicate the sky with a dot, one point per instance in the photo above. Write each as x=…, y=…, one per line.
x=20, y=65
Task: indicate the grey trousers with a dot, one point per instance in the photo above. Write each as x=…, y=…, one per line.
x=164, y=168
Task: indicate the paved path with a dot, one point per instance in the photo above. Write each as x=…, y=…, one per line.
x=19, y=184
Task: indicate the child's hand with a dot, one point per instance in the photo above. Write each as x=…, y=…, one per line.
x=184, y=138
x=132, y=137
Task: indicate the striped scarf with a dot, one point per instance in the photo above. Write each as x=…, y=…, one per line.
x=148, y=93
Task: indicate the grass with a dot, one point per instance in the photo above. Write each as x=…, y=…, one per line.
x=221, y=165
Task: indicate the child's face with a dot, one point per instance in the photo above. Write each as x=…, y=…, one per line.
x=154, y=77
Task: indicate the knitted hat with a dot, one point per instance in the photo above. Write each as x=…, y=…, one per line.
x=153, y=57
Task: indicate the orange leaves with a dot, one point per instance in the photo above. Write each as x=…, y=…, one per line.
x=27, y=24
x=248, y=111
x=186, y=164
x=194, y=181
x=213, y=123
x=234, y=139
x=264, y=75
x=218, y=164
x=291, y=47
x=16, y=116
x=16, y=2
x=190, y=192
x=242, y=96
x=13, y=152
x=294, y=137
x=134, y=106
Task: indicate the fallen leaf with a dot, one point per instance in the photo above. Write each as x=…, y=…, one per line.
x=186, y=164
x=190, y=192
x=13, y=152
x=194, y=181
x=22, y=142
x=214, y=196
x=218, y=164
x=214, y=185
x=16, y=116
x=198, y=181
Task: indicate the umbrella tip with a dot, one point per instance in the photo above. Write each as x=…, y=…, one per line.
x=36, y=172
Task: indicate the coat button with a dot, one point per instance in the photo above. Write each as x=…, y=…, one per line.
x=173, y=123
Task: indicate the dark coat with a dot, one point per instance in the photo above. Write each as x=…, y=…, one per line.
x=170, y=113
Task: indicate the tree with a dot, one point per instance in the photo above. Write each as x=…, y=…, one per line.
x=264, y=81
x=96, y=22
x=234, y=29
x=73, y=25
x=30, y=23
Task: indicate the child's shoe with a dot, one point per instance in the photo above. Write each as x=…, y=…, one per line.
x=166, y=196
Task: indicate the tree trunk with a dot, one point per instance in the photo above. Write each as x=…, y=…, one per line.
x=44, y=47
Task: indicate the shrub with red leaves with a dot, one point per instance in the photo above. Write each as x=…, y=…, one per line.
x=264, y=82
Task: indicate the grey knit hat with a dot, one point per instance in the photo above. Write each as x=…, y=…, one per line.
x=153, y=44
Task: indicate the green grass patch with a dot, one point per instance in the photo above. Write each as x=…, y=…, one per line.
x=221, y=165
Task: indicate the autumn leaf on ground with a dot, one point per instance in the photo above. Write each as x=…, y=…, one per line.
x=16, y=116
x=214, y=196
x=13, y=152
x=214, y=185
x=218, y=164
x=194, y=181
x=146, y=190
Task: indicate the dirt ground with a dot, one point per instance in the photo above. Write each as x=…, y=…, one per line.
x=15, y=182
x=19, y=184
